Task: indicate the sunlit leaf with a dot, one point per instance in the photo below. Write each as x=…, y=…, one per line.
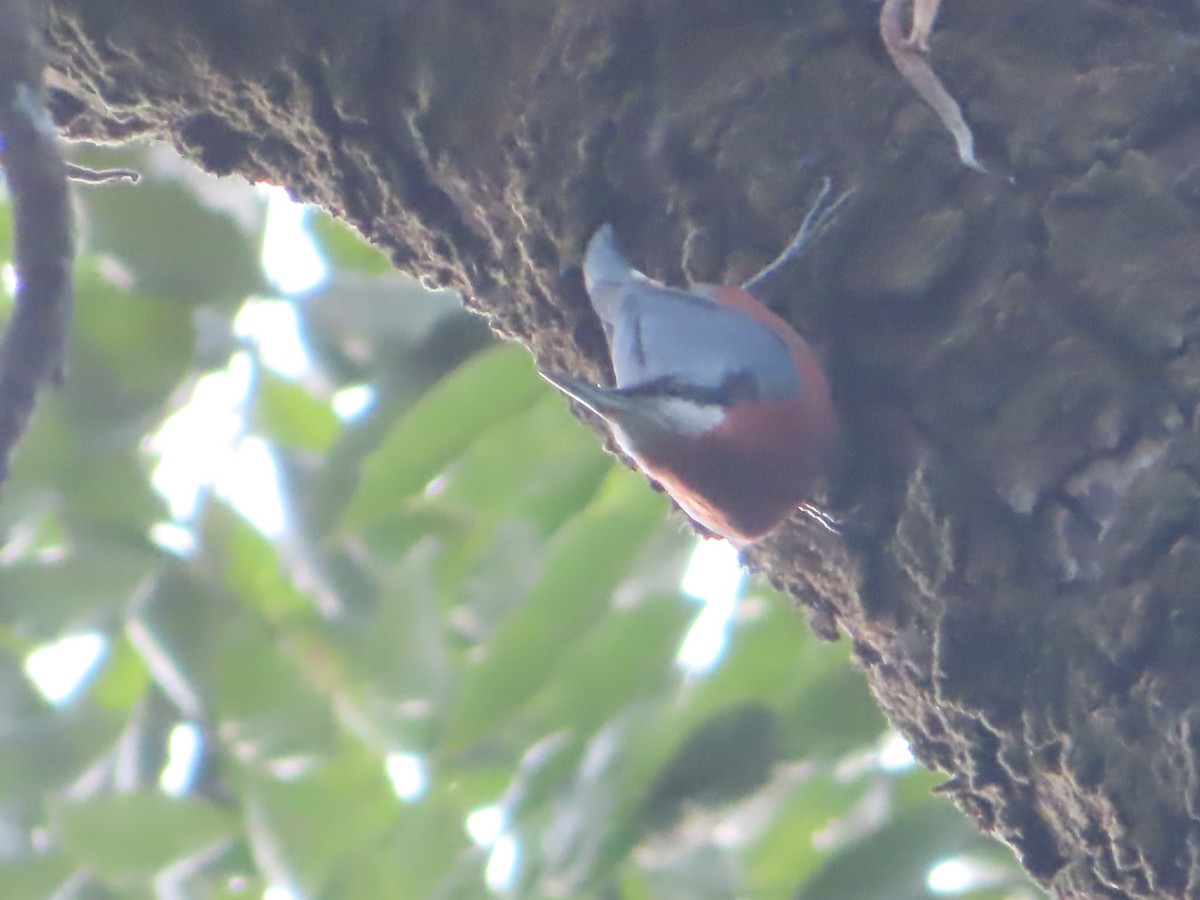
x=346, y=249
x=287, y=413
x=253, y=569
x=123, y=679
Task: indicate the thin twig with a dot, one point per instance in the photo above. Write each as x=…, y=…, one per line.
x=33, y=349
x=906, y=56
x=83, y=174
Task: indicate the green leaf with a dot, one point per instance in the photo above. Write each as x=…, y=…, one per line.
x=832, y=715
x=539, y=465
x=137, y=834
x=251, y=677
x=393, y=536
x=123, y=680
x=287, y=413
x=37, y=877
x=43, y=599
x=177, y=630
x=594, y=825
x=772, y=656
x=95, y=484
x=729, y=755
x=356, y=325
x=541, y=774
x=590, y=687
x=221, y=266
x=489, y=574
x=893, y=862
x=484, y=391
x=325, y=822
x=787, y=851
x=700, y=871
x=45, y=751
x=129, y=349
x=253, y=570
x=262, y=696
x=430, y=842
x=586, y=563
x=403, y=655
x=344, y=247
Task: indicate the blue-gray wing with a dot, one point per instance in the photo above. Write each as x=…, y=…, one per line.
x=664, y=332
x=656, y=332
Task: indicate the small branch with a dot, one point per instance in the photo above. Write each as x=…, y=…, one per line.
x=101, y=176
x=34, y=348
x=905, y=51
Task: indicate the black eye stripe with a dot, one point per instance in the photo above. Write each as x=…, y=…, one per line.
x=737, y=386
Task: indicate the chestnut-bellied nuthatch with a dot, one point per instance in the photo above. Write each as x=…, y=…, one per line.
x=717, y=398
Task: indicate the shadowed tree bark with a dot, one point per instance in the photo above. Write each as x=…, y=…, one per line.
x=1014, y=353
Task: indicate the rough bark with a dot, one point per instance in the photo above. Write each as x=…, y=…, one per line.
x=1013, y=354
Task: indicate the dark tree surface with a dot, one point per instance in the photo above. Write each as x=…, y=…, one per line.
x=1014, y=353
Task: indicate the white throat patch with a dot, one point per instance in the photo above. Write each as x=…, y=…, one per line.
x=689, y=418
x=666, y=415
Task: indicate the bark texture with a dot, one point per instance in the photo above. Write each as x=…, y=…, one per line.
x=1014, y=354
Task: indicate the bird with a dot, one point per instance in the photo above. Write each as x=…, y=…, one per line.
x=717, y=399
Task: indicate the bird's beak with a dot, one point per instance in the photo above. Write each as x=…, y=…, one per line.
x=604, y=402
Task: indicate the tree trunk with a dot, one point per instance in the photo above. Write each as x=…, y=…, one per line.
x=1013, y=353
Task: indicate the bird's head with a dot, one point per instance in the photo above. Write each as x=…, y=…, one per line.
x=737, y=463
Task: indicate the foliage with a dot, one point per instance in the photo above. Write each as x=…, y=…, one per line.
x=470, y=613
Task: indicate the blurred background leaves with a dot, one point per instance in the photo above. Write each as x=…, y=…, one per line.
x=311, y=589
